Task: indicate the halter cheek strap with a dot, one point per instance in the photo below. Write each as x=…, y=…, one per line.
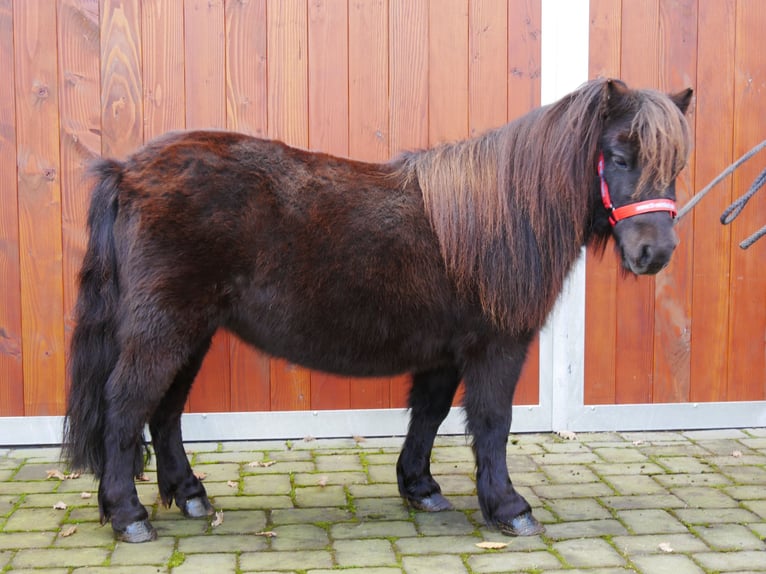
x=631, y=209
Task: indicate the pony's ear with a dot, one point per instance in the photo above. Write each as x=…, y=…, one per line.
x=612, y=94
x=682, y=99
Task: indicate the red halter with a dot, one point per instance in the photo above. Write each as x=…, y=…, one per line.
x=631, y=209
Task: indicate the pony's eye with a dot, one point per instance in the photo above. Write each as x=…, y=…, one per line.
x=620, y=161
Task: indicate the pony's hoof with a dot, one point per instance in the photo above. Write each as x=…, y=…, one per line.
x=139, y=531
x=523, y=525
x=198, y=507
x=434, y=503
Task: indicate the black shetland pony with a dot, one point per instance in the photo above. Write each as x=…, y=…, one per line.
x=442, y=263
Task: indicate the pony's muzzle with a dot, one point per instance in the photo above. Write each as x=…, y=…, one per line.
x=646, y=244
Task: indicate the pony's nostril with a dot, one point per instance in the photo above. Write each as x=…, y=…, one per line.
x=646, y=255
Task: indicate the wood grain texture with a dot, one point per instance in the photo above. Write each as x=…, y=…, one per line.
x=11, y=371
x=487, y=65
x=121, y=81
x=601, y=270
x=162, y=37
x=524, y=62
x=246, y=111
x=288, y=106
x=747, y=318
x=635, y=295
x=246, y=67
x=368, y=125
x=714, y=116
x=39, y=201
x=447, y=71
x=328, y=55
x=408, y=74
x=205, y=70
x=80, y=132
x=408, y=78
x=673, y=287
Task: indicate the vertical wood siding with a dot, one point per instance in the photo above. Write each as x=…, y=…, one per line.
x=367, y=79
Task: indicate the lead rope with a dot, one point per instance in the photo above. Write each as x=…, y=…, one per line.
x=735, y=208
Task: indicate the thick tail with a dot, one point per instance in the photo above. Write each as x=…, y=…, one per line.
x=94, y=349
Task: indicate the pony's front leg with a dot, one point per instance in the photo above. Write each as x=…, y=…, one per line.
x=430, y=400
x=490, y=381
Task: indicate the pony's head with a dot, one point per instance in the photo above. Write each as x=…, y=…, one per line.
x=643, y=147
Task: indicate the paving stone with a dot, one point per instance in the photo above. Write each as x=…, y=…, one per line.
x=15, y=540
x=392, y=529
x=313, y=496
x=650, y=543
x=732, y=561
x=158, y=552
x=342, y=478
x=382, y=473
x=578, y=509
x=55, y=557
x=587, y=490
x=704, y=497
x=281, y=467
x=236, y=522
x=439, y=545
x=620, y=454
x=715, y=515
x=294, y=560
x=252, y=502
x=453, y=454
x=684, y=464
x=370, y=552
x=218, y=563
x=372, y=490
x=730, y=537
x=584, y=528
x=584, y=457
x=570, y=473
x=431, y=564
x=220, y=544
x=299, y=537
x=701, y=435
x=643, y=501
x=651, y=520
x=696, y=479
x=630, y=485
x=34, y=519
x=746, y=474
x=673, y=564
x=367, y=570
x=588, y=552
x=339, y=462
x=266, y=484
x=381, y=509
x=309, y=515
x=87, y=534
x=626, y=468
x=450, y=522
x=513, y=562
x=521, y=463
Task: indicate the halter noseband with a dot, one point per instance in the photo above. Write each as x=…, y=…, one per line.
x=631, y=209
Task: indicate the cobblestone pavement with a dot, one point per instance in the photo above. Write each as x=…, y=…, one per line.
x=654, y=502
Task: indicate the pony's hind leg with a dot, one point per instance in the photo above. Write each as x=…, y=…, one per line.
x=430, y=400
x=145, y=370
x=490, y=381
x=174, y=474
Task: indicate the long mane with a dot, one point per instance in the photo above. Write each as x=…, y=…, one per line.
x=513, y=207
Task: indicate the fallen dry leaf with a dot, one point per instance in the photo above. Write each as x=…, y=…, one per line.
x=267, y=534
x=323, y=481
x=218, y=519
x=566, y=434
x=85, y=495
x=638, y=442
x=737, y=454
x=492, y=545
x=358, y=439
x=200, y=475
x=232, y=484
x=60, y=505
x=308, y=438
x=69, y=531
x=261, y=464
x=55, y=473
x=143, y=477
x=665, y=547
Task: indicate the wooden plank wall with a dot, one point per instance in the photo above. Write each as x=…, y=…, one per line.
x=697, y=331
x=359, y=78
